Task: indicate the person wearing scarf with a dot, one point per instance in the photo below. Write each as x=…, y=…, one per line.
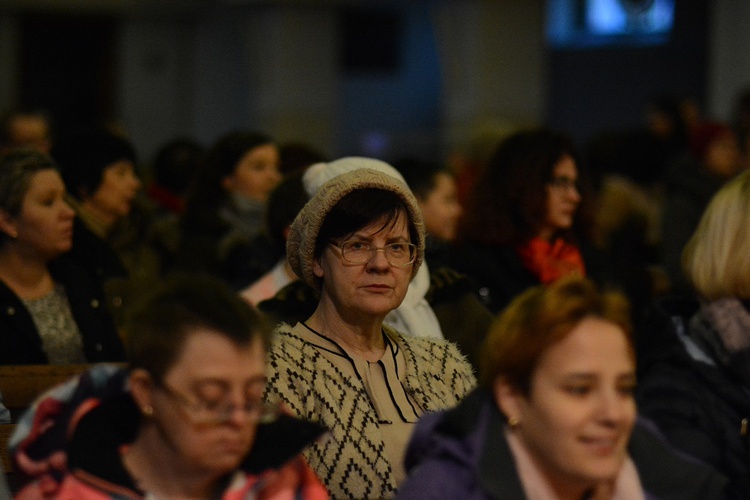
x=695, y=384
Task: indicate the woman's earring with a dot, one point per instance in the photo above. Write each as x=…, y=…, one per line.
x=512, y=422
x=148, y=410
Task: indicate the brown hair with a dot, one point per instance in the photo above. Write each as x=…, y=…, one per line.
x=508, y=201
x=539, y=318
x=158, y=328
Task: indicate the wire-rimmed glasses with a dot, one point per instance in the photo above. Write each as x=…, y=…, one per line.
x=361, y=252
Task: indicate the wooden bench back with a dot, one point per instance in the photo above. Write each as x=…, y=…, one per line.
x=20, y=385
x=5, y=432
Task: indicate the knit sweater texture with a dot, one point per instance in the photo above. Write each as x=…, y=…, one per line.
x=352, y=462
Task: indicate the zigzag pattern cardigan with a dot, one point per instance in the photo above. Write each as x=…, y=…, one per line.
x=352, y=462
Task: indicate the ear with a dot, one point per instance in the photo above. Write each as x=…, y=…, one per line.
x=8, y=224
x=317, y=268
x=141, y=388
x=510, y=401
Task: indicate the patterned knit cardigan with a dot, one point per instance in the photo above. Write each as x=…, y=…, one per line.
x=352, y=462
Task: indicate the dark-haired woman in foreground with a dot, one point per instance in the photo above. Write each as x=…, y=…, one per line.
x=187, y=420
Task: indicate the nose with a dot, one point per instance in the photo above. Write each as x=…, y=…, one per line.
x=378, y=261
x=573, y=193
x=66, y=211
x=275, y=175
x=238, y=416
x=615, y=408
x=135, y=181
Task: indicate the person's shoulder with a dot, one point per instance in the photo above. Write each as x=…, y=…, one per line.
x=293, y=303
x=295, y=479
x=429, y=347
x=439, y=359
x=286, y=332
x=290, y=345
x=446, y=284
x=668, y=473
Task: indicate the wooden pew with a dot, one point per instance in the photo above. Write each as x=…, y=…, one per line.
x=5, y=432
x=21, y=384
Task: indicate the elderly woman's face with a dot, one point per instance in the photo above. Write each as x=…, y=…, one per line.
x=374, y=288
x=576, y=420
x=211, y=373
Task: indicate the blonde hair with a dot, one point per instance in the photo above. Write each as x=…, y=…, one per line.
x=716, y=259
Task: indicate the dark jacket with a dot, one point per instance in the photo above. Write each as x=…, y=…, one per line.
x=697, y=401
x=688, y=188
x=498, y=274
x=463, y=453
x=20, y=342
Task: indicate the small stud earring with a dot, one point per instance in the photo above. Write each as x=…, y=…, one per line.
x=512, y=422
x=148, y=410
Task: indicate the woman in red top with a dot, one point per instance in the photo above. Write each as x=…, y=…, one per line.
x=524, y=220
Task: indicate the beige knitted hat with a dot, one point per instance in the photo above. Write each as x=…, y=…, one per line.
x=300, y=245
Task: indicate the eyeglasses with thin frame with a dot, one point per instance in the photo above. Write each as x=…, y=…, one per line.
x=361, y=252
x=564, y=183
x=202, y=411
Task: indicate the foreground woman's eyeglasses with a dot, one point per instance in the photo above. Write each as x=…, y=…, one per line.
x=219, y=412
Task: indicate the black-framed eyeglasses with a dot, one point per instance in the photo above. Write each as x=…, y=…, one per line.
x=204, y=411
x=361, y=252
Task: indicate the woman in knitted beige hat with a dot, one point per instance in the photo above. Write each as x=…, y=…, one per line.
x=360, y=241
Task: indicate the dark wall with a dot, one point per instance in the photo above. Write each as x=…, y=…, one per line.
x=67, y=68
x=593, y=90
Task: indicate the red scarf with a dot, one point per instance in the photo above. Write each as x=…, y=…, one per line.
x=551, y=261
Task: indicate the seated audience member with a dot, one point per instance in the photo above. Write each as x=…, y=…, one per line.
x=695, y=375
x=22, y=129
x=250, y=261
x=52, y=308
x=359, y=241
x=554, y=417
x=186, y=420
x=226, y=204
x=435, y=189
x=173, y=169
x=689, y=185
x=439, y=303
x=98, y=166
x=525, y=221
x=285, y=202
